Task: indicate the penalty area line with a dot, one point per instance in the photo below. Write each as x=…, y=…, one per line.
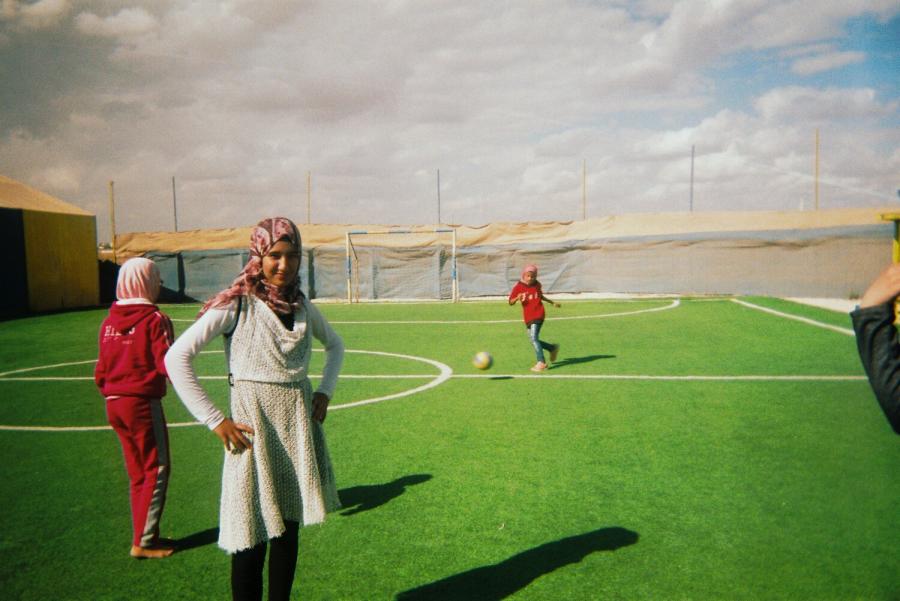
x=806, y=320
x=672, y=305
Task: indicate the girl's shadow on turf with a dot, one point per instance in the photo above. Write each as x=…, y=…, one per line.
x=198, y=539
x=511, y=575
x=357, y=499
x=577, y=360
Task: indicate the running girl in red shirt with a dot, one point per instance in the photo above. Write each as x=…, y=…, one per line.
x=131, y=375
x=528, y=292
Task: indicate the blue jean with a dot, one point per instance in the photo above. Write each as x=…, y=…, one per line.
x=534, y=333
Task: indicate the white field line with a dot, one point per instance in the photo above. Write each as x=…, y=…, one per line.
x=311, y=377
x=85, y=362
x=446, y=374
x=672, y=305
x=543, y=376
x=27, y=369
x=812, y=322
x=657, y=378
x=675, y=303
x=568, y=298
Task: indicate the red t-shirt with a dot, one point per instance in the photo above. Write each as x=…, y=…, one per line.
x=133, y=343
x=532, y=307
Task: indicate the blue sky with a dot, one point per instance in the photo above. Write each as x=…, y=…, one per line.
x=239, y=100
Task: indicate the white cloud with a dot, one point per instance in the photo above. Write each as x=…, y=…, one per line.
x=826, y=62
x=806, y=50
x=127, y=23
x=240, y=99
x=43, y=14
x=66, y=178
x=811, y=104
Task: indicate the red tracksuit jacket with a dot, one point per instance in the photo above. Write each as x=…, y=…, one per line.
x=532, y=307
x=133, y=343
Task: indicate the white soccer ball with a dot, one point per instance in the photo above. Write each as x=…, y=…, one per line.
x=483, y=360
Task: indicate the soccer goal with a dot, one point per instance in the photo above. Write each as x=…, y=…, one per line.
x=402, y=265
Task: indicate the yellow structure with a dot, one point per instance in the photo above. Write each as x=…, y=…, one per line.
x=895, y=217
x=895, y=253
x=53, y=250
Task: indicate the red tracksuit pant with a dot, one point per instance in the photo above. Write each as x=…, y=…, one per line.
x=141, y=426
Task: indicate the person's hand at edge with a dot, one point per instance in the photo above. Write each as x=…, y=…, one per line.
x=883, y=289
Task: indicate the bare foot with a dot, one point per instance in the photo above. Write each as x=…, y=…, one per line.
x=154, y=552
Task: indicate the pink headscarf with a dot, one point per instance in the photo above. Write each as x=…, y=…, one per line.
x=138, y=278
x=529, y=269
x=251, y=281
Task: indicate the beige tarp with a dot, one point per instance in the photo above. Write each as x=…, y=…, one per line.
x=16, y=195
x=550, y=232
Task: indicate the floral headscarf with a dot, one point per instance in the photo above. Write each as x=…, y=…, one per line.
x=251, y=281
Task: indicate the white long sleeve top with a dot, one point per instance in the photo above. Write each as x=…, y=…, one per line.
x=215, y=322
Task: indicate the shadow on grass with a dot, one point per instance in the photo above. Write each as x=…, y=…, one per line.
x=198, y=539
x=577, y=360
x=357, y=499
x=511, y=575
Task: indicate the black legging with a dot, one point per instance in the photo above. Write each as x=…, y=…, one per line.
x=247, y=568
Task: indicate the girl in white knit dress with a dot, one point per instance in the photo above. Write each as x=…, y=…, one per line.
x=277, y=471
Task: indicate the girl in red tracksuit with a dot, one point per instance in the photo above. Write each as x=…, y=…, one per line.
x=131, y=375
x=528, y=292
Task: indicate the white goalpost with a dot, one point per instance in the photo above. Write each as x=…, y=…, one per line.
x=420, y=269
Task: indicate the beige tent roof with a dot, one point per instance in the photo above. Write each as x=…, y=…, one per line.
x=618, y=226
x=16, y=195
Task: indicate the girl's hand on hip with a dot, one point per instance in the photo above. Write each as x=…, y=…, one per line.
x=232, y=435
x=320, y=406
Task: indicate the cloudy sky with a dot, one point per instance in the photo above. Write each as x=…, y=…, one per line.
x=512, y=102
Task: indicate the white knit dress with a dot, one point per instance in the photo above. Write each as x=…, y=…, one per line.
x=288, y=474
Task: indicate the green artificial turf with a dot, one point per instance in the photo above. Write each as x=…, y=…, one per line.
x=573, y=484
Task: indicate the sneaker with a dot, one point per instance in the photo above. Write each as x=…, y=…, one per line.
x=539, y=366
x=553, y=353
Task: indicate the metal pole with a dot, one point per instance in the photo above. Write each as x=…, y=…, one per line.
x=308, y=194
x=455, y=291
x=349, y=283
x=112, y=220
x=817, y=168
x=349, y=287
x=439, y=195
x=174, y=204
x=691, y=206
x=583, y=189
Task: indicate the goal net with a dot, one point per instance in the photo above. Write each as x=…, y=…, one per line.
x=402, y=265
